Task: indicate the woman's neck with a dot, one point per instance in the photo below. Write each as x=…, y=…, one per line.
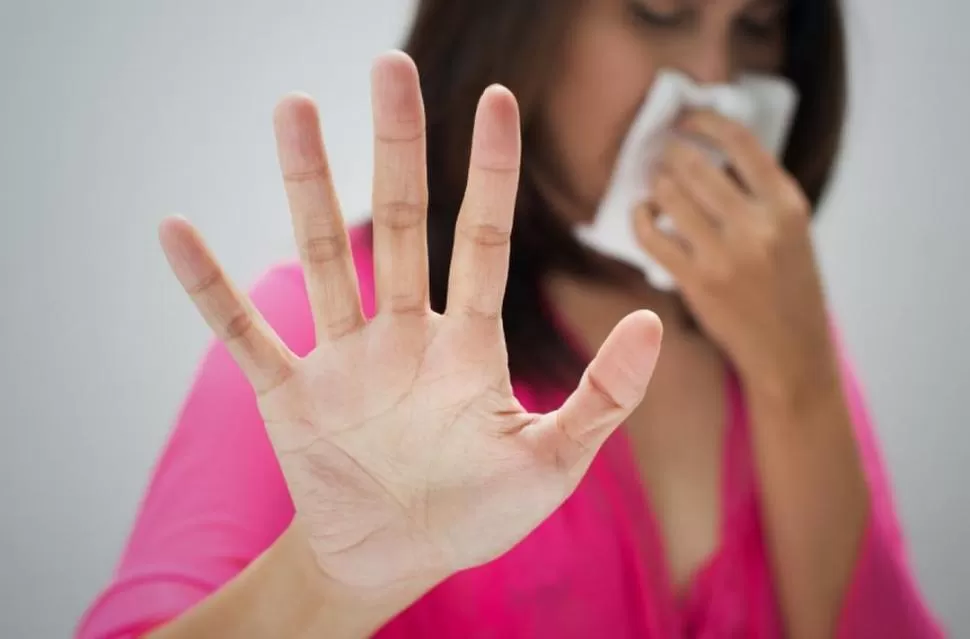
x=590, y=309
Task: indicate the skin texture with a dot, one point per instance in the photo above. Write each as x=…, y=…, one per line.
x=405, y=452
x=746, y=267
x=435, y=463
x=748, y=276
x=612, y=58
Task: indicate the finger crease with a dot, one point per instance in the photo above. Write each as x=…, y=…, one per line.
x=385, y=138
x=321, y=250
x=604, y=392
x=206, y=283
x=299, y=177
x=488, y=235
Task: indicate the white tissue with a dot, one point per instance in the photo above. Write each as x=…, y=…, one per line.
x=765, y=104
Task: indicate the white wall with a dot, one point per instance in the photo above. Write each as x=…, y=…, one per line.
x=114, y=113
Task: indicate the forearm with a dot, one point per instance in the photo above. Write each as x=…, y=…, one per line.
x=283, y=594
x=815, y=500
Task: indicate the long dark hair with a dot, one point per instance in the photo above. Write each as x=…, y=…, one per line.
x=462, y=46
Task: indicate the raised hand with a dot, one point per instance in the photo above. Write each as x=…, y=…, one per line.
x=406, y=454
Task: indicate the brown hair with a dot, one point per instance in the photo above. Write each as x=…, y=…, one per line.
x=462, y=46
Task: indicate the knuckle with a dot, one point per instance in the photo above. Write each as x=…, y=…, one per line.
x=793, y=199
x=401, y=215
x=644, y=223
x=773, y=241
x=603, y=392
x=486, y=235
x=409, y=303
x=664, y=187
x=405, y=131
x=673, y=155
x=206, y=284
x=718, y=272
x=342, y=326
x=739, y=135
x=323, y=249
x=798, y=207
x=238, y=327
x=769, y=240
x=690, y=158
x=569, y=450
x=314, y=174
x=764, y=254
x=480, y=313
x=277, y=378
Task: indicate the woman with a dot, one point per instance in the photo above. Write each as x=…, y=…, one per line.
x=444, y=481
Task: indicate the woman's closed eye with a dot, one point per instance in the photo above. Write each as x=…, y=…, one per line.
x=760, y=28
x=654, y=17
x=763, y=21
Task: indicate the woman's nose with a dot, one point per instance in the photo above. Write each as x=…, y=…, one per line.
x=709, y=61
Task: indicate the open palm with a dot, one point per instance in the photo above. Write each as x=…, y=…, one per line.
x=403, y=447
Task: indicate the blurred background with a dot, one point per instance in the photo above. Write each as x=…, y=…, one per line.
x=115, y=113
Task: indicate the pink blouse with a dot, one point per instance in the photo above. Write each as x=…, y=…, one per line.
x=595, y=568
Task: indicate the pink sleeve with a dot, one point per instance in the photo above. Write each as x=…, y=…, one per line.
x=217, y=498
x=883, y=599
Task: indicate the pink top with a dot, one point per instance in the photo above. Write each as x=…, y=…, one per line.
x=595, y=568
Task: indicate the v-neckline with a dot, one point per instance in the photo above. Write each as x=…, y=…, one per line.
x=620, y=450
x=727, y=502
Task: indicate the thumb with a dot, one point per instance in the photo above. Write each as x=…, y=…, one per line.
x=612, y=386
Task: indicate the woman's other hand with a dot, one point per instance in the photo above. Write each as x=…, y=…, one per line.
x=743, y=256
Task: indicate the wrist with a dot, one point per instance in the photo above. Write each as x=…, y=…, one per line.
x=284, y=593
x=331, y=608
x=794, y=389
